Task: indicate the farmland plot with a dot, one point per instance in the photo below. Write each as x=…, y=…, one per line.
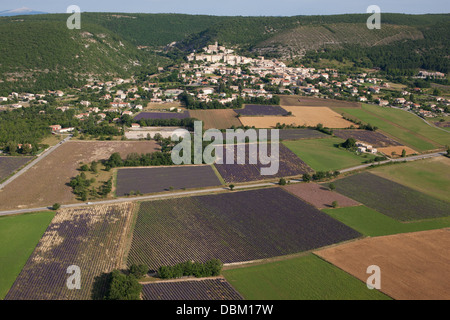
x=261, y=110
x=301, y=116
x=301, y=101
x=46, y=182
x=162, y=115
x=208, y=289
x=231, y=227
x=160, y=179
x=413, y=265
x=391, y=198
x=376, y=139
x=319, y=196
x=289, y=165
x=90, y=238
x=216, y=118
x=10, y=164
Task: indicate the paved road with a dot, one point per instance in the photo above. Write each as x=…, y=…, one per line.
x=207, y=191
x=34, y=162
x=412, y=158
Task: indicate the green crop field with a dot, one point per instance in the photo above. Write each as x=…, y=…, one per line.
x=431, y=176
x=404, y=126
x=372, y=223
x=410, y=122
x=19, y=235
x=322, y=155
x=302, y=278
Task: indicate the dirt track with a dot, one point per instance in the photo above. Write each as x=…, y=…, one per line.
x=414, y=266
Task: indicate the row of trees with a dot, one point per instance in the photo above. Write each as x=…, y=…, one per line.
x=210, y=268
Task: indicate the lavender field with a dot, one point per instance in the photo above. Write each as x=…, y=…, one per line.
x=231, y=227
x=209, y=289
x=160, y=179
x=161, y=115
x=289, y=166
x=10, y=164
x=91, y=238
x=261, y=110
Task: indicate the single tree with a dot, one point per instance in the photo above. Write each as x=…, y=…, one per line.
x=231, y=187
x=282, y=182
x=332, y=187
x=56, y=206
x=335, y=204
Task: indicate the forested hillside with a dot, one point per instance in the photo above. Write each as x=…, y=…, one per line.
x=39, y=52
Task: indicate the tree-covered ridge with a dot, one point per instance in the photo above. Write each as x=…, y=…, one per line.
x=40, y=54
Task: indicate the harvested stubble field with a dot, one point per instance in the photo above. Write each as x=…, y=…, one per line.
x=414, y=266
x=10, y=164
x=161, y=115
x=207, y=289
x=301, y=101
x=397, y=151
x=216, y=119
x=390, y=198
x=46, y=182
x=90, y=238
x=376, y=139
x=319, y=196
x=289, y=166
x=232, y=227
x=261, y=110
x=301, y=116
x=160, y=179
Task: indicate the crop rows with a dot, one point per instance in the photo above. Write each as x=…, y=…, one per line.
x=209, y=289
x=92, y=239
x=10, y=164
x=289, y=165
x=261, y=110
x=376, y=139
x=231, y=227
x=161, y=115
x=391, y=198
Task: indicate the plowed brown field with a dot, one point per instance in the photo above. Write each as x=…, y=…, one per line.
x=413, y=266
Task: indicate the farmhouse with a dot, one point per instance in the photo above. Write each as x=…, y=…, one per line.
x=144, y=132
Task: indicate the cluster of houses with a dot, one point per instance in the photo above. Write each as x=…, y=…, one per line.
x=366, y=148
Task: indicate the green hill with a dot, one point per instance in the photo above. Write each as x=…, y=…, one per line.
x=39, y=52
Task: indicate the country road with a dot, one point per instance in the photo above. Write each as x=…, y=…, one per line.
x=34, y=162
x=210, y=190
